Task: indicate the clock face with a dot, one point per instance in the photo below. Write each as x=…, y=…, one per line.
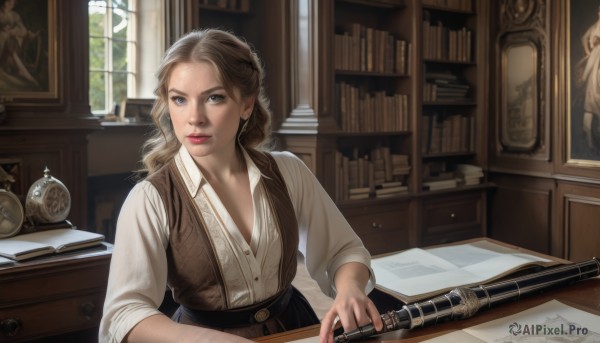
x=57, y=202
x=11, y=214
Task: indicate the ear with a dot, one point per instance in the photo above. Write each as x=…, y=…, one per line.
x=248, y=107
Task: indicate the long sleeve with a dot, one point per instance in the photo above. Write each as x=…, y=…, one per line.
x=326, y=239
x=138, y=271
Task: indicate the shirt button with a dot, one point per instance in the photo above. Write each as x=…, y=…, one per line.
x=256, y=278
x=247, y=252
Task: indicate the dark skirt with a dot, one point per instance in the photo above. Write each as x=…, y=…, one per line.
x=295, y=313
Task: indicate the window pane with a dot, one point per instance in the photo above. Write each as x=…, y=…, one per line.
x=97, y=19
x=119, y=87
x=121, y=4
x=97, y=92
x=97, y=48
x=120, y=19
x=120, y=56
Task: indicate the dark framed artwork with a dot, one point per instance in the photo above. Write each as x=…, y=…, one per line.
x=28, y=51
x=135, y=110
x=583, y=117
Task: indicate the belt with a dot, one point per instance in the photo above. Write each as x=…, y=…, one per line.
x=244, y=316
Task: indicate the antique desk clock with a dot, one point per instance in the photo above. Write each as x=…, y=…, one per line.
x=48, y=200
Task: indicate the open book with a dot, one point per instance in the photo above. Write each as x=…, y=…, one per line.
x=552, y=321
x=22, y=247
x=416, y=274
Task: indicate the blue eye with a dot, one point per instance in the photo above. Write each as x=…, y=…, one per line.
x=177, y=100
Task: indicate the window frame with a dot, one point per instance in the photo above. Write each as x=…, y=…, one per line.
x=131, y=56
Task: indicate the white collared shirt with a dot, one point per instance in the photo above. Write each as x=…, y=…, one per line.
x=138, y=274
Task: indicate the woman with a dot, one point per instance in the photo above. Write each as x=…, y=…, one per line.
x=13, y=34
x=220, y=221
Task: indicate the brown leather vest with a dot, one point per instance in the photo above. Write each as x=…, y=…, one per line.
x=194, y=273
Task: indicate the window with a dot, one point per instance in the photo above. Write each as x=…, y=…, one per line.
x=112, y=53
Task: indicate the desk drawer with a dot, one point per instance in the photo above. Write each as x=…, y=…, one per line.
x=452, y=218
x=382, y=232
x=50, y=318
x=43, y=284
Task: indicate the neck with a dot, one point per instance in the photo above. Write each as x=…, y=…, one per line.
x=221, y=167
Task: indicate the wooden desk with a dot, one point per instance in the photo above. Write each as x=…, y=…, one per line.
x=51, y=296
x=584, y=295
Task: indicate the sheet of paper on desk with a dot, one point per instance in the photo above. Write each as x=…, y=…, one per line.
x=551, y=321
x=419, y=273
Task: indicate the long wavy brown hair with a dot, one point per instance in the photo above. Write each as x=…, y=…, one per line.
x=238, y=68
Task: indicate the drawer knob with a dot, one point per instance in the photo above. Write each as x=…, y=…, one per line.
x=376, y=225
x=88, y=309
x=452, y=216
x=10, y=327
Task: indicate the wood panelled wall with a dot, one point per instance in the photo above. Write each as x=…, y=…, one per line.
x=52, y=132
x=544, y=200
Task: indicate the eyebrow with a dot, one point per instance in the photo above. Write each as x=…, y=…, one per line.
x=208, y=91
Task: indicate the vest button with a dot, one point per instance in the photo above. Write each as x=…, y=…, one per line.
x=256, y=278
x=262, y=315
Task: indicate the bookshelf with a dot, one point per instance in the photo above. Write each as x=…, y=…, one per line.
x=452, y=110
x=387, y=74
x=371, y=58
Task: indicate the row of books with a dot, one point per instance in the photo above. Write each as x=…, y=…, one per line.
x=363, y=111
x=448, y=134
x=239, y=5
x=461, y=5
x=367, y=49
x=444, y=43
x=377, y=174
x=445, y=86
x=436, y=91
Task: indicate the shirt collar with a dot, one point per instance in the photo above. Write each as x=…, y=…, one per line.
x=192, y=175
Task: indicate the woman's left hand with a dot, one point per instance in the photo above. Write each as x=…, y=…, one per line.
x=351, y=304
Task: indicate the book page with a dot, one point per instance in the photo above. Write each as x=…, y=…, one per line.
x=65, y=239
x=551, y=321
x=15, y=248
x=416, y=272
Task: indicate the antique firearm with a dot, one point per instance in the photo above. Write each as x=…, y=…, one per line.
x=464, y=302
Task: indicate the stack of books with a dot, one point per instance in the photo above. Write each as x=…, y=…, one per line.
x=361, y=176
x=437, y=176
x=469, y=174
x=358, y=193
x=389, y=189
x=435, y=185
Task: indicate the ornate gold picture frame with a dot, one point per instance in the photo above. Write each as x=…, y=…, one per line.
x=28, y=51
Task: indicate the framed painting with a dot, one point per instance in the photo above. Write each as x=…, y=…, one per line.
x=583, y=115
x=28, y=51
x=136, y=110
